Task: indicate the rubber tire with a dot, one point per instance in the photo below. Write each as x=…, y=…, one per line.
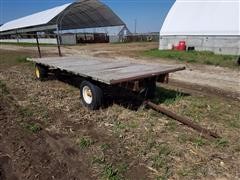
x=43, y=72
x=238, y=61
x=97, y=95
x=149, y=90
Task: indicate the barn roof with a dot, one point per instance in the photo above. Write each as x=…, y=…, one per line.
x=77, y=15
x=203, y=17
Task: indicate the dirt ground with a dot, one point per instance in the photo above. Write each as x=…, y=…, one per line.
x=46, y=133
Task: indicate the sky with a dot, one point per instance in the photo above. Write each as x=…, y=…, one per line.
x=149, y=14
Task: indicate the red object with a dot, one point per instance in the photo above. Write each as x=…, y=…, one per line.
x=181, y=46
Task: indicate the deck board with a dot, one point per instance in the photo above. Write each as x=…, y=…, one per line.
x=106, y=70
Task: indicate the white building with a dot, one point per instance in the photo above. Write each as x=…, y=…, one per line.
x=206, y=25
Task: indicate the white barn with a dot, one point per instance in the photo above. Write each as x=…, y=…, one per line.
x=206, y=25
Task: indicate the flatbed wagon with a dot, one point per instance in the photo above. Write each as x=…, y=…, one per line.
x=97, y=73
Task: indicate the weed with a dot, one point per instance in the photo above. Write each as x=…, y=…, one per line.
x=111, y=173
x=220, y=143
x=3, y=88
x=105, y=146
x=98, y=160
x=122, y=167
x=133, y=124
x=183, y=138
x=235, y=122
x=25, y=112
x=184, y=172
x=120, y=125
x=84, y=142
x=32, y=127
x=171, y=125
x=166, y=174
x=161, y=160
x=198, y=141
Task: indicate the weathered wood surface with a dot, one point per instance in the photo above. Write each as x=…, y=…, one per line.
x=105, y=70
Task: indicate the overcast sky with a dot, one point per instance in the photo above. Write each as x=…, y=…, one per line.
x=150, y=14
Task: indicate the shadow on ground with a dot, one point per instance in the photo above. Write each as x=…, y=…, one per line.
x=121, y=96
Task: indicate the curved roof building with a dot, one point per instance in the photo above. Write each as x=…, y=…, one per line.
x=77, y=15
x=205, y=24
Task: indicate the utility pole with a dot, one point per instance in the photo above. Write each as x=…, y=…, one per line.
x=135, y=26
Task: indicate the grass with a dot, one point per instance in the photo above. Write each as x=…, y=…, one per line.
x=25, y=44
x=3, y=88
x=84, y=142
x=111, y=173
x=171, y=125
x=12, y=58
x=183, y=138
x=198, y=141
x=204, y=57
x=145, y=133
x=105, y=147
x=32, y=127
x=162, y=160
x=167, y=96
x=26, y=112
x=221, y=143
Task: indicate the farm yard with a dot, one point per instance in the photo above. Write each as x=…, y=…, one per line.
x=45, y=133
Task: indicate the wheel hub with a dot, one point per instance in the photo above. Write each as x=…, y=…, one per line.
x=87, y=95
x=37, y=72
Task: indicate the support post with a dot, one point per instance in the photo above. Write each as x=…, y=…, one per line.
x=58, y=43
x=38, y=46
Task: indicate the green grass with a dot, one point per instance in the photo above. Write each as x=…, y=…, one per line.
x=168, y=96
x=26, y=112
x=198, y=141
x=105, y=147
x=12, y=58
x=111, y=173
x=221, y=143
x=32, y=127
x=203, y=57
x=25, y=44
x=162, y=158
x=84, y=142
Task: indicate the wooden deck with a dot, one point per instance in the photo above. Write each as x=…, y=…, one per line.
x=105, y=70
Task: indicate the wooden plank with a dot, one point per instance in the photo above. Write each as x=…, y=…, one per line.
x=105, y=70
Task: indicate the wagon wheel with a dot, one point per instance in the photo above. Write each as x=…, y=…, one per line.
x=41, y=72
x=91, y=95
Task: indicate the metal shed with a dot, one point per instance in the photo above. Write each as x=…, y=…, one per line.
x=76, y=15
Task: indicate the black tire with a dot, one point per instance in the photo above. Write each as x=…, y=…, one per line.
x=238, y=61
x=149, y=91
x=41, y=72
x=96, y=95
